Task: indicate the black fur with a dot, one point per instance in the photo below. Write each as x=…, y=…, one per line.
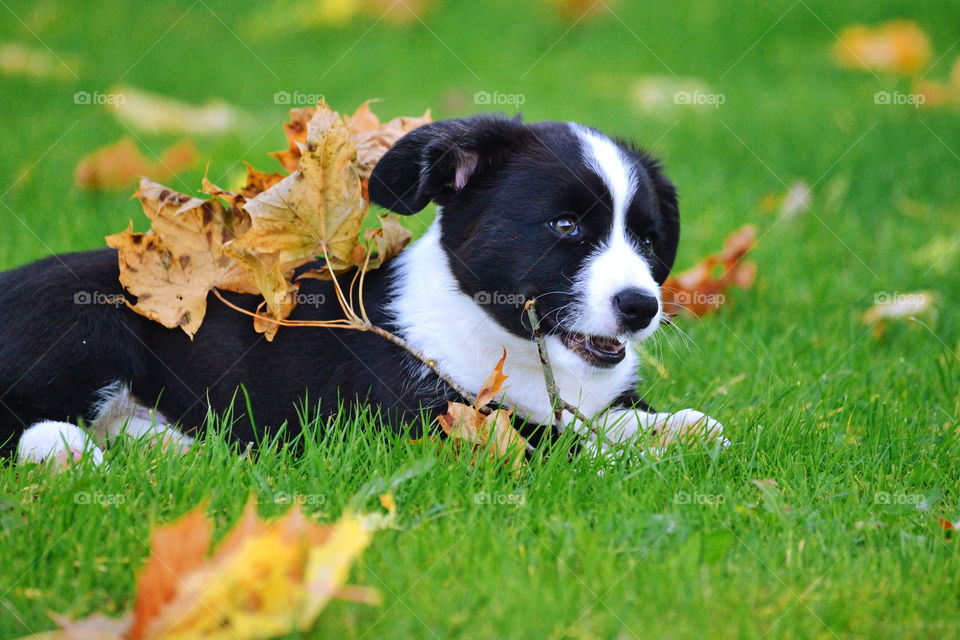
x=56, y=354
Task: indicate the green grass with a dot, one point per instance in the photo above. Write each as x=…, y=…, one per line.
x=686, y=546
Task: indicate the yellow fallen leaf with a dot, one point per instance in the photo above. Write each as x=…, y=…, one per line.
x=265, y=579
x=154, y=113
x=18, y=59
x=317, y=209
x=899, y=46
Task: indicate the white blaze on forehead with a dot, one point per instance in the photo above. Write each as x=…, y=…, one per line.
x=618, y=264
x=607, y=161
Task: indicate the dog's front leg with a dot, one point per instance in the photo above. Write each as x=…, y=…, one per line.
x=620, y=426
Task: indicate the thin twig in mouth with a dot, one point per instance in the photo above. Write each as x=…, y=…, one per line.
x=558, y=404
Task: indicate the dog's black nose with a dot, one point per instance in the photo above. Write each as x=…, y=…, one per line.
x=635, y=308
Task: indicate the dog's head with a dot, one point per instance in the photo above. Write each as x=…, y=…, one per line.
x=554, y=211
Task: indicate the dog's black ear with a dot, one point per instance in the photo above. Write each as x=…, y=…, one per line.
x=438, y=160
x=666, y=249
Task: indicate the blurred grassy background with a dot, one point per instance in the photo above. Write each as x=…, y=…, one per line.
x=845, y=414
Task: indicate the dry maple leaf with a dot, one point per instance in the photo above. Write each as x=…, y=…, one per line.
x=389, y=239
x=317, y=209
x=172, y=268
x=320, y=207
x=899, y=46
x=494, y=431
x=119, y=165
x=175, y=550
x=258, y=182
x=369, y=135
x=252, y=241
x=265, y=579
x=372, y=138
x=296, y=131
x=701, y=289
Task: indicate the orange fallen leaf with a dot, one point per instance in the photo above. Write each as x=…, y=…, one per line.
x=577, y=10
x=702, y=288
x=119, y=165
x=175, y=550
x=258, y=182
x=265, y=579
x=493, y=431
x=296, y=131
x=493, y=385
x=899, y=46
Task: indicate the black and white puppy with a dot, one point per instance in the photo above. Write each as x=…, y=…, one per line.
x=559, y=212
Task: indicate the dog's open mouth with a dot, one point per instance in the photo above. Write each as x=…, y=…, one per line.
x=600, y=351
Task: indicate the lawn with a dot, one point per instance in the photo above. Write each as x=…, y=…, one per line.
x=822, y=518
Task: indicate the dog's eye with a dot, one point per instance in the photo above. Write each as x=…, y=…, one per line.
x=566, y=226
x=646, y=242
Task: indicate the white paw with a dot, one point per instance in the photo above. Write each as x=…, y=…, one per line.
x=61, y=442
x=686, y=425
